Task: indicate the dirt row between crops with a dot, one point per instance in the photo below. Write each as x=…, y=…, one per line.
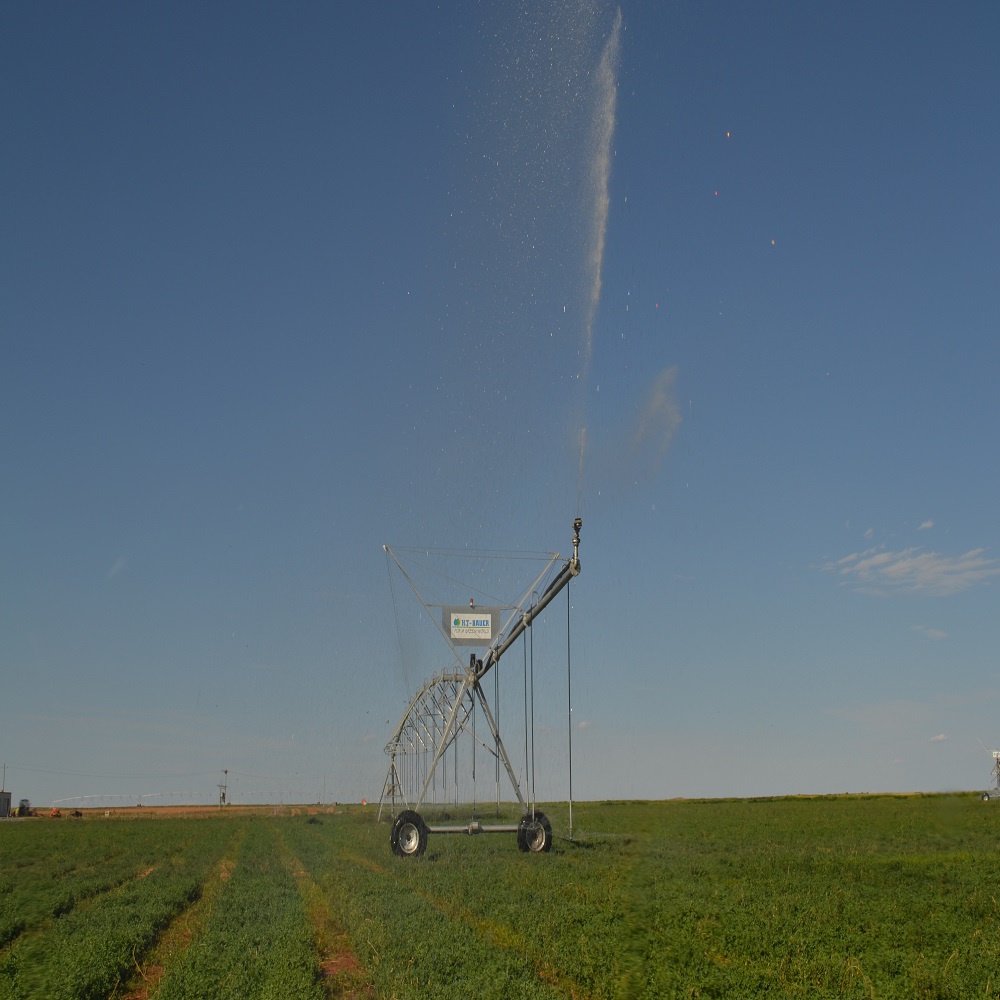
x=342, y=976
x=500, y=935
x=176, y=938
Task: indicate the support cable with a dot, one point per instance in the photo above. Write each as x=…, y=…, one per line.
x=474, y=747
x=524, y=647
x=569, y=703
x=531, y=657
x=496, y=734
x=395, y=612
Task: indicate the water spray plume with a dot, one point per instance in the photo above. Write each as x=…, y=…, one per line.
x=602, y=131
x=659, y=419
x=600, y=176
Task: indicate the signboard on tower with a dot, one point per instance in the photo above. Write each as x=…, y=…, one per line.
x=472, y=626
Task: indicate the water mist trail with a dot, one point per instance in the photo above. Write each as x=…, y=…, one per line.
x=600, y=175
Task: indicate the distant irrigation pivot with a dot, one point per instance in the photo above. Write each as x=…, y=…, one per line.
x=444, y=711
x=993, y=792
x=117, y=800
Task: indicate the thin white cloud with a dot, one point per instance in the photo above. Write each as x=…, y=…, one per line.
x=913, y=571
x=869, y=534
x=940, y=738
x=926, y=526
x=118, y=568
x=585, y=724
x=930, y=633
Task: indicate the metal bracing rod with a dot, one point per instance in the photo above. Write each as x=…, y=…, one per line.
x=392, y=782
x=454, y=724
x=571, y=569
x=466, y=683
x=439, y=710
x=461, y=722
x=500, y=747
x=427, y=687
x=518, y=611
x=482, y=741
x=424, y=730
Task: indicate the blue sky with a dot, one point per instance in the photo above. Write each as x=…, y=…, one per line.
x=280, y=286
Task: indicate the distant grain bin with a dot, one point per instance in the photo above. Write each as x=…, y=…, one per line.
x=4, y=804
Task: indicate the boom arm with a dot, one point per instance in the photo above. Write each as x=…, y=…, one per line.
x=569, y=570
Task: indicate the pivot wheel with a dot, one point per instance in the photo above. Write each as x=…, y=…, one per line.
x=409, y=835
x=534, y=833
x=986, y=796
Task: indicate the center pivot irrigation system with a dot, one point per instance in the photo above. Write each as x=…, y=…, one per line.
x=446, y=708
x=993, y=792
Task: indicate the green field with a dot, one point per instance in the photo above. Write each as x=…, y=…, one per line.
x=829, y=897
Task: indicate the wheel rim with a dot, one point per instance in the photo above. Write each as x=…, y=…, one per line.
x=409, y=838
x=534, y=836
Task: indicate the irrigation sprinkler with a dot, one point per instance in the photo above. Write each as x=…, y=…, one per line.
x=993, y=792
x=445, y=710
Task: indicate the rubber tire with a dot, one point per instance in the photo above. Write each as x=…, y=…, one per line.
x=409, y=835
x=534, y=835
x=986, y=796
